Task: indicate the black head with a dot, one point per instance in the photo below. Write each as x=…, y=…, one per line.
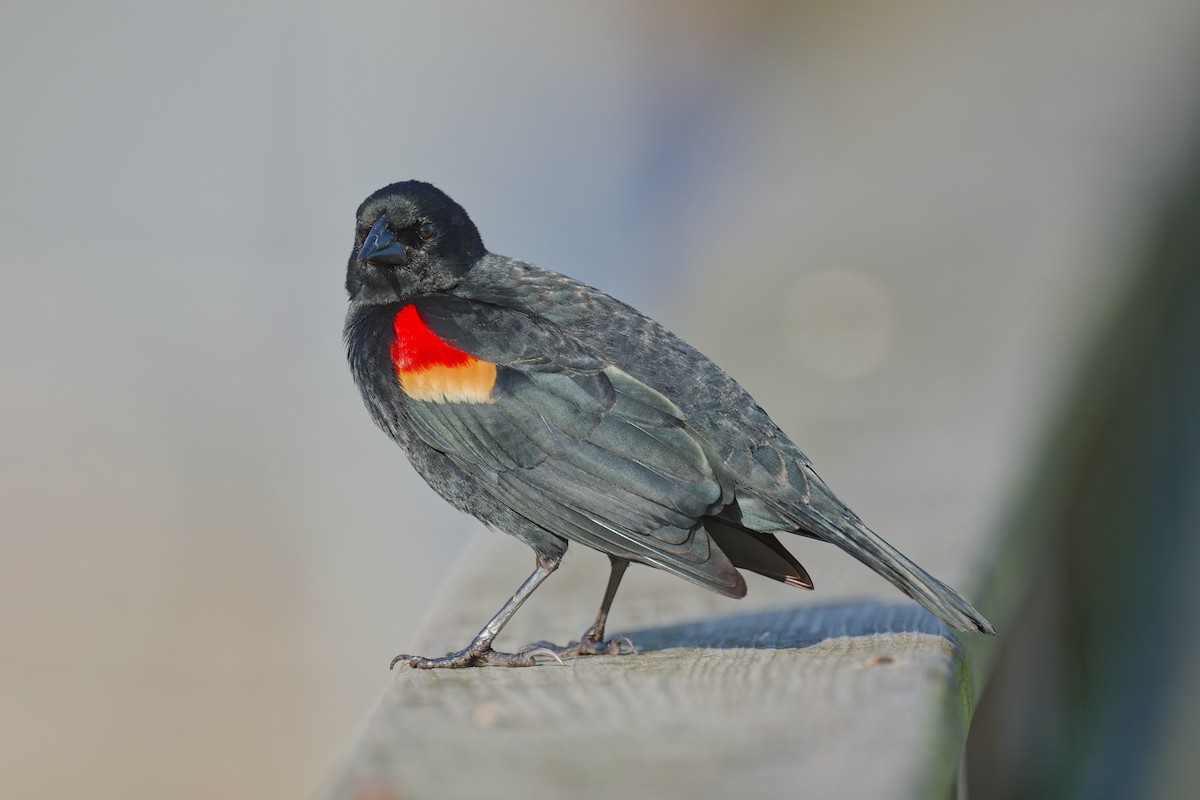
x=410, y=239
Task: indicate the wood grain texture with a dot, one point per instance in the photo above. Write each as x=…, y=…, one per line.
x=848, y=698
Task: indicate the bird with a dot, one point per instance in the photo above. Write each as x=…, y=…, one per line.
x=556, y=413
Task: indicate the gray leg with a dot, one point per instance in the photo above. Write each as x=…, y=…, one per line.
x=596, y=632
x=479, y=652
x=592, y=642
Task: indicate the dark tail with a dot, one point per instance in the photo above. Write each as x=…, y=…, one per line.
x=943, y=602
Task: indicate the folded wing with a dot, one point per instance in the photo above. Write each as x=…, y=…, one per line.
x=576, y=445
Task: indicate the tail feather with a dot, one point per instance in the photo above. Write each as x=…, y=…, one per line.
x=757, y=551
x=943, y=602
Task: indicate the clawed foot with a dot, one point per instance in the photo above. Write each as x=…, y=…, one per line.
x=478, y=657
x=588, y=646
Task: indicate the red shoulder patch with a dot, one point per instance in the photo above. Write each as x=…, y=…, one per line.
x=418, y=348
x=431, y=369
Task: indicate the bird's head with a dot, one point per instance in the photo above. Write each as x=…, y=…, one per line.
x=410, y=239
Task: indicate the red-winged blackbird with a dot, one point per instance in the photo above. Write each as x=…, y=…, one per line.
x=556, y=413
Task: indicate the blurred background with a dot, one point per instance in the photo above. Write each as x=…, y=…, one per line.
x=208, y=555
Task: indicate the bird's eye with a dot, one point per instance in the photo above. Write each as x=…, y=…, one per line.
x=425, y=231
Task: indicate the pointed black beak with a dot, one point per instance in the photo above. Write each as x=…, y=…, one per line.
x=381, y=248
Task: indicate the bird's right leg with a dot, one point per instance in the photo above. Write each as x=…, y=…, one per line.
x=479, y=652
x=592, y=642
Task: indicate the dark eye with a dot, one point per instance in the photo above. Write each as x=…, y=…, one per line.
x=425, y=231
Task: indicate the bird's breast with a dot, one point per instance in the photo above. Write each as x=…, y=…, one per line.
x=431, y=369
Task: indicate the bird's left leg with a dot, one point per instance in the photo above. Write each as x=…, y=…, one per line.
x=592, y=642
x=479, y=652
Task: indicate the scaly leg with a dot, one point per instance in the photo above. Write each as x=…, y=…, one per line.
x=479, y=652
x=592, y=642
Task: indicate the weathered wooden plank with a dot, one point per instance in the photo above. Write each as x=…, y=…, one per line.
x=823, y=697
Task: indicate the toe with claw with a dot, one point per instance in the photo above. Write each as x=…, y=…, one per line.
x=477, y=657
x=616, y=646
